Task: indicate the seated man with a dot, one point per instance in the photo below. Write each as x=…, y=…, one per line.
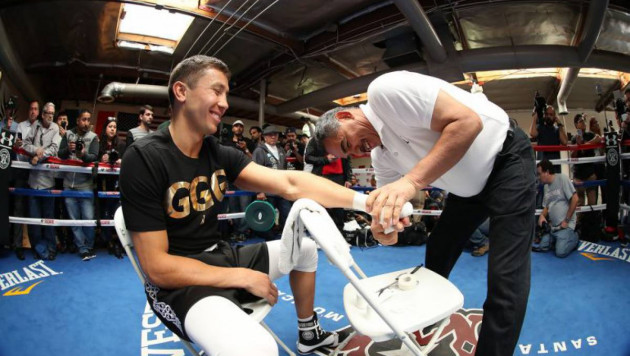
x=560, y=201
x=171, y=183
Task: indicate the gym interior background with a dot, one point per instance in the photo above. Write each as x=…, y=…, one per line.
x=291, y=61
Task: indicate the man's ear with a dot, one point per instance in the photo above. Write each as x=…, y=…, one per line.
x=179, y=90
x=344, y=115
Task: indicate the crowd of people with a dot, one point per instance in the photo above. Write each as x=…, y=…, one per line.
x=45, y=134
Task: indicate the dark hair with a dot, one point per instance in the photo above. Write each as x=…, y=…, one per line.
x=62, y=113
x=545, y=166
x=36, y=102
x=255, y=128
x=190, y=69
x=83, y=111
x=627, y=90
x=102, y=149
x=577, y=118
x=144, y=108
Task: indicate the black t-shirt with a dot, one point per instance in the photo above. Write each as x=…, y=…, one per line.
x=163, y=189
x=584, y=170
x=548, y=135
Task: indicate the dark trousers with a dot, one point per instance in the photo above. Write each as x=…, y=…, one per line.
x=20, y=207
x=508, y=199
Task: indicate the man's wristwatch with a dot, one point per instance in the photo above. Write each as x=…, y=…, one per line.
x=566, y=220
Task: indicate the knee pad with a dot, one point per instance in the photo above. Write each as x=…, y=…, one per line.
x=308, y=256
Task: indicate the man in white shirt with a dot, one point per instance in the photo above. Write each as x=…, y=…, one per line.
x=423, y=131
x=20, y=176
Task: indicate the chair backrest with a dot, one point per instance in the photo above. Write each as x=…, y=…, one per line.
x=127, y=243
x=324, y=231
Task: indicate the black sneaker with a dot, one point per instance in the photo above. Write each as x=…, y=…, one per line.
x=311, y=337
x=86, y=256
x=19, y=252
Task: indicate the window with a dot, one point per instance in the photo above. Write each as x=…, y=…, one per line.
x=147, y=28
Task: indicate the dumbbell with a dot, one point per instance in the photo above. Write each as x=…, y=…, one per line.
x=259, y=216
x=359, y=203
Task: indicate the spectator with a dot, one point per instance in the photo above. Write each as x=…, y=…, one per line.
x=293, y=150
x=81, y=143
x=42, y=142
x=238, y=204
x=559, y=203
x=110, y=151
x=269, y=154
x=144, y=121
x=20, y=177
x=239, y=141
x=63, y=235
x=600, y=168
x=479, y=239
x=548, y=131
x=8, y=124
x=333, y=168
x=586, y=171
x=255, y=133
x=354, y=181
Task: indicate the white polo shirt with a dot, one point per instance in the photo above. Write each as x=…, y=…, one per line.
x=400, y=107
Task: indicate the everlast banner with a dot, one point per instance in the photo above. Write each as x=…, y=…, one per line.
x=613, y=179
x=6, y=142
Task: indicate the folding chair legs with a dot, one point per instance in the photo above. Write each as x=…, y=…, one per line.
x=437, y=334
x=275, y=337
x=343, y=344
x=190, y=348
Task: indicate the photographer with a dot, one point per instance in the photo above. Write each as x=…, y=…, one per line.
x=293, y=149
x=111, y=149
x=586, y=171
x=547, y=129
x=559, y=203
x=8, y=121
x=63, y=233
x=80, y=143
x=238, y=204
x=20, y=176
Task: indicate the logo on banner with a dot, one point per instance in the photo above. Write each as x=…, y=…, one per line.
x=5, y=158
x=6, y=139
x=612, y=157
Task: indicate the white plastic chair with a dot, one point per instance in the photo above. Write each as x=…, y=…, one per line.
x=257, y=310
x=383, y=314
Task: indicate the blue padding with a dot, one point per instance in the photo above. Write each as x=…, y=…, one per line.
x=62, y=193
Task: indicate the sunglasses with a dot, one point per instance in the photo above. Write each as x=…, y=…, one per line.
x=111, y=118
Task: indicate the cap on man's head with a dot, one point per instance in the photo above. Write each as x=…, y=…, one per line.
x=290, y=130
x=238, y=122
x=271, y=129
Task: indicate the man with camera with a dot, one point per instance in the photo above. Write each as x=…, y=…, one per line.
x=547, y=129
x=82, y=144
x=586, y=171
x=559, y=204
x=20, y=176
x=293, y=150
x=239, y=203
x=145, y=118
x=42, y=142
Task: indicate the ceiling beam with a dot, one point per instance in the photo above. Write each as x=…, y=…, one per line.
x=484, y=59
x=358, y=29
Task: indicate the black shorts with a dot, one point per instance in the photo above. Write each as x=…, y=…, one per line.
x=172, y=305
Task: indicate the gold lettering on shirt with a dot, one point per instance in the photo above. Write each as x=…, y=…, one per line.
x=199, y=201
x=183, y=203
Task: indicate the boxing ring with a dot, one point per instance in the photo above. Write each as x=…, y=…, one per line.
x=74, y=166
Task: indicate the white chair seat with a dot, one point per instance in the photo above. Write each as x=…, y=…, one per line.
x=432, y=300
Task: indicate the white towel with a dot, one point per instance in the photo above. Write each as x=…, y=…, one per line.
x=292, y=234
